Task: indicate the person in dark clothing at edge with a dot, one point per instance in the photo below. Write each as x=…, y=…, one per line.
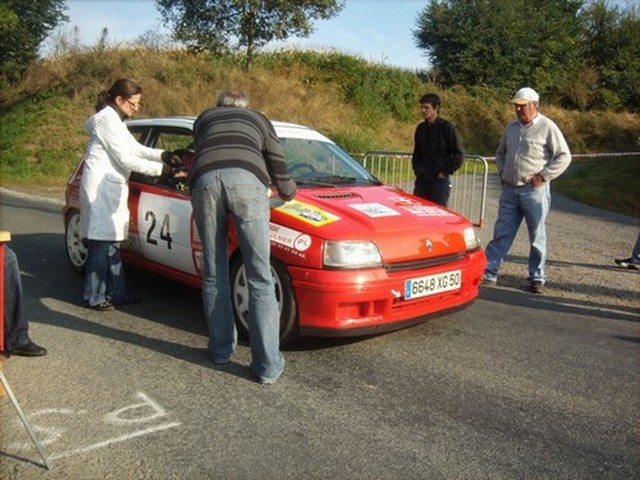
x=17, y=340
x=437, y=152
x=237, y=155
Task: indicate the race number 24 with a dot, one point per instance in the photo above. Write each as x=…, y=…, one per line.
x=165, y=228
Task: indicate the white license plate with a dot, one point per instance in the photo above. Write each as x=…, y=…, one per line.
x=432, y=284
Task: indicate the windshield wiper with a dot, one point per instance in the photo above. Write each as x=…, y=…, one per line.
x=314, y=182
x=335, y=179
x=372, y=181
x=328, y=181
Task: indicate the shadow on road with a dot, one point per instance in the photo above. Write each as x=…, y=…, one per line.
x=505, y=294
x=47, y=277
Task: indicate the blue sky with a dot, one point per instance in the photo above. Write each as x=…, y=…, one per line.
x=376, y=30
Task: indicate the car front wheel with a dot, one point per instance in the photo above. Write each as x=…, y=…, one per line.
x=289, y=329
x=76, y=249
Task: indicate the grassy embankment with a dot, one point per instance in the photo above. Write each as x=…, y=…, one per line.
x=362, y=106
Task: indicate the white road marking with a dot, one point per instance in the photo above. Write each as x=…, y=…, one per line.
x=123, y=438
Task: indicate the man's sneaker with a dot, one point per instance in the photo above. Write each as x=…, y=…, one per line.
x=268, y=381
x=490, y=282
x=102, y=307
x=536, y=286
x=31, y=349
x=627, y=263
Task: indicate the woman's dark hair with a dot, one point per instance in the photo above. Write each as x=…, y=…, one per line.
x=123, y=87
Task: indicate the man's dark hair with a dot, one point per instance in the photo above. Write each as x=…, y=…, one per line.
x=432, y=99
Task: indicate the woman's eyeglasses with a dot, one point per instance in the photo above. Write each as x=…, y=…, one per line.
x=135, y=106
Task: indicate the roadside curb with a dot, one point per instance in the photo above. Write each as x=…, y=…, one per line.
x=28, y=196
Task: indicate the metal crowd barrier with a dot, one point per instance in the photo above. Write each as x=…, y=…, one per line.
x=468, y=184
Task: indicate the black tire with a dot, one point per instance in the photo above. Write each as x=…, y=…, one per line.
x=287, y=305
x=74, y=246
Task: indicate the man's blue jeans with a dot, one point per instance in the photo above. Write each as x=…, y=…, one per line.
x=517, y=203
x=238, y=194
x=104, y=279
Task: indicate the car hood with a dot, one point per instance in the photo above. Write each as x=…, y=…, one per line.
x=405, y=227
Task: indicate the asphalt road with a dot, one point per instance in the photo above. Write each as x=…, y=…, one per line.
x=517, y=386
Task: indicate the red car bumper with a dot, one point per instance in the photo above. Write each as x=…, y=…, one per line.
x=335, y=303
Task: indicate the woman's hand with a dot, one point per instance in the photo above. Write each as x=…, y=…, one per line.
x=172, y=159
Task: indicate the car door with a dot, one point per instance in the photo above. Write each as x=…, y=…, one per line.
x=162, y=227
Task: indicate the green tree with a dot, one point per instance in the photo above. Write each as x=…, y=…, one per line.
x=612, y=38
x=215, y=25
x=502, y=44
x=24, y=24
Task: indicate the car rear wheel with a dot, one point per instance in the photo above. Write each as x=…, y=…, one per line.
x=76, y=250
x=289, y=329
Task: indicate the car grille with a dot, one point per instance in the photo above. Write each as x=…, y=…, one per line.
x=423, y=263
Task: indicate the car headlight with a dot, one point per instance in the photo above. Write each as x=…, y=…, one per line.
x=471, y=239
x=351, y=254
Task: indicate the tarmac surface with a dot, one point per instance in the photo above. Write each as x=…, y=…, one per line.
x=516, y=386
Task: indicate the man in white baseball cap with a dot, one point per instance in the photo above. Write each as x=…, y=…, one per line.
x=531, y=153
x=525, y=95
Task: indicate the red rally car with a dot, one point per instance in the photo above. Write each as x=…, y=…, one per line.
x=350, y=256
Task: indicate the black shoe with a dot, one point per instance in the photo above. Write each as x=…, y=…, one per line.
x=536, y=286
x=627, y=263
x=102, y=307
x=28, y=350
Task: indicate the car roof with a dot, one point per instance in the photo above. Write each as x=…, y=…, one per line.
x=283, y=129
x=176, y=121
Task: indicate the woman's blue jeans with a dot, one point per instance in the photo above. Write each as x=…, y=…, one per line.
x=238, y=194
x=104, y=278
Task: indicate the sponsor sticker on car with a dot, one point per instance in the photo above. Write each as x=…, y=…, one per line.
x=289, y=237
x=374, y=210
x=308, y=213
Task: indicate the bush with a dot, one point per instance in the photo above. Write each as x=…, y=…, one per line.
x=362, y=106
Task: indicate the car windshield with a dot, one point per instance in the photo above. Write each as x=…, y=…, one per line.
x=317, y=163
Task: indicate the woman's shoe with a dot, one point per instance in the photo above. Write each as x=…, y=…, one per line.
x=130, y=300
x=102, y=307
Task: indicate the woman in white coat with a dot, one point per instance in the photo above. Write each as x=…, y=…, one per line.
x=111, y=155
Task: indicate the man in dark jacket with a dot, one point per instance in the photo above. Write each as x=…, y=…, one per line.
x=237, y=157
x=437, y=152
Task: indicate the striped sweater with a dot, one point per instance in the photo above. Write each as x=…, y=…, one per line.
x=243, y=138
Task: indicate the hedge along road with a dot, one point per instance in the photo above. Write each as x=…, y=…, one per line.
x=516, y=386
